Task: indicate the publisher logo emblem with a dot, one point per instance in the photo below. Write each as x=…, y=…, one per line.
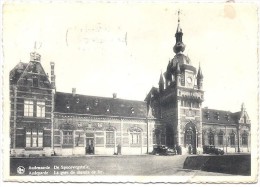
x=20, y=170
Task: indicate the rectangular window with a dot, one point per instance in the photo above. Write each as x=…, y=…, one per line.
x=28, y=108
x=34, y=138
x=67, y=138
x=35, y=82
x=135, y=138
x=110, y=137
x=41, y=109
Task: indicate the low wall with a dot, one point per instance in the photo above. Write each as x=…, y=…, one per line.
x=239, y=164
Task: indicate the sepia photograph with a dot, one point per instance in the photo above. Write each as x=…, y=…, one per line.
x=130, y=92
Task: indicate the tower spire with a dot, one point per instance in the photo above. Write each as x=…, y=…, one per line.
x=179, y=27
x=200, y=78
x=161, y=83
x=199, y=75
x=179, y=45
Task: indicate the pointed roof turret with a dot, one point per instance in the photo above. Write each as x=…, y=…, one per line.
x=161, y=78
x=161, y=83
x=200, y=75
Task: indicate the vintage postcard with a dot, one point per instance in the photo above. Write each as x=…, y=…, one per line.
x=130, y=92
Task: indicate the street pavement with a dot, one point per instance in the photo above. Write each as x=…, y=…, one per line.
x=104, y=165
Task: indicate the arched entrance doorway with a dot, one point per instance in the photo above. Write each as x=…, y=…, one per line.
x=190, y=138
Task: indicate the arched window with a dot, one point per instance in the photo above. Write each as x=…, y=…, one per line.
x=245, y=138
x=220, y=138
x=232, y=139
x=188, y=136
x=163, y=138
x=211, y=138
x=182, y=103
x=135, y=136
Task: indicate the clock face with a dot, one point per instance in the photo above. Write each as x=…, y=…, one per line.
x=189, y=80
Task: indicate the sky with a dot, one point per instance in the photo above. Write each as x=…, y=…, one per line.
x=101, y=49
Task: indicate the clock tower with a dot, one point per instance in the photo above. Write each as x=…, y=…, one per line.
x=180, y=100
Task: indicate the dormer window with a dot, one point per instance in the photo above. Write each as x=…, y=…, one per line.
x=68, y=105
x=87, y=108
x=132, y=110
x=207, y=115
x=96, y=102
x=217, y=115
x=107, y=108
x=227, y=117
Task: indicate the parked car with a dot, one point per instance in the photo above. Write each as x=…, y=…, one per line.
x=163, y=150
x=211, y=149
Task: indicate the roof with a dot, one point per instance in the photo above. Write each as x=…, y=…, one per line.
x=181, y=59
x=219, y=116
x=153, y=92
x=23, y=72
x=94, y=105
x=16, y=72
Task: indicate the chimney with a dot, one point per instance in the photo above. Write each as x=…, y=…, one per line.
x=114, y=95
x=73, y=91
x=52, y=76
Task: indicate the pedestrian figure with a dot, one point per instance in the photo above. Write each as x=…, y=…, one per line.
x=189, y=148
x=119, y=149
x=175, y=149
x=178, y=150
